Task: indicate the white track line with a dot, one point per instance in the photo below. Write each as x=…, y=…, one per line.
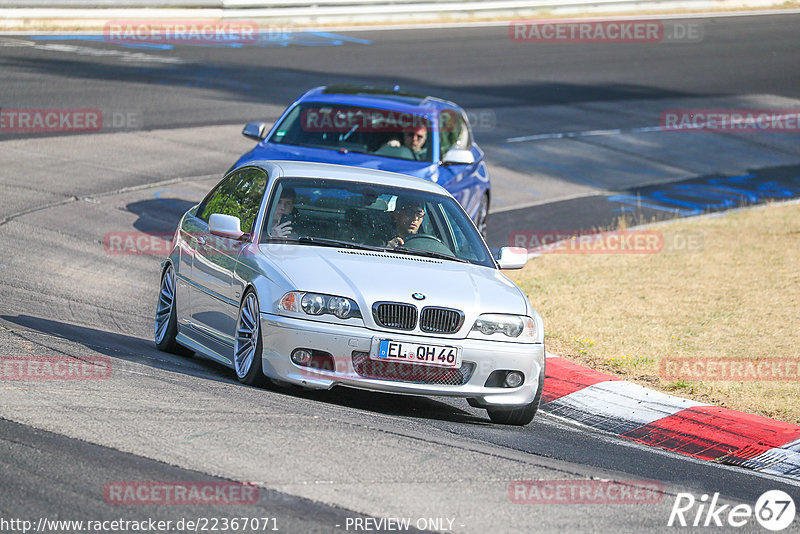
x=643, y=129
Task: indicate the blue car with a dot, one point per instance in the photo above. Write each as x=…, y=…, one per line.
x=381, y=129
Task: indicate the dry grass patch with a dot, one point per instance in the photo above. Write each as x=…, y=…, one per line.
x=735, y=295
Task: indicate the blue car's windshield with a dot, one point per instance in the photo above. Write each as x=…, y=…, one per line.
x=373, y=216
x=378, y=132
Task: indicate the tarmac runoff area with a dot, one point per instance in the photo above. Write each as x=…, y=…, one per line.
x=79, y=301
x=632, y=412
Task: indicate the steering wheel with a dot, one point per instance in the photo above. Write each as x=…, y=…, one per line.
x=426, y=242
x=422, y=236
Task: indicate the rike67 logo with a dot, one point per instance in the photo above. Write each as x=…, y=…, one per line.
x=774, y=510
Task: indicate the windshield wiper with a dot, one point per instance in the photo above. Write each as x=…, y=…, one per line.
x=426, y=253
x=324, y=242
x=310, y=240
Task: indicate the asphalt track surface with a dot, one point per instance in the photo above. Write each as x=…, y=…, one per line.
x=323, y=457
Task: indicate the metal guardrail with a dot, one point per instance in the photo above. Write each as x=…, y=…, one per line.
x=105, y=4
x=390, y=5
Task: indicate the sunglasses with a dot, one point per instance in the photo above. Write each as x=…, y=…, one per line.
x=417, y=214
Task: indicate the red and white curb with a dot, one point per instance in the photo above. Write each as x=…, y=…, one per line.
x=606, y=403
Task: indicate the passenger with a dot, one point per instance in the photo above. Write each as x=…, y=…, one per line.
x=281, y=225
x=406, y=218
x=414, y=139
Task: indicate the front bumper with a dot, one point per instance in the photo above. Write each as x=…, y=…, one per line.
x=282, y=335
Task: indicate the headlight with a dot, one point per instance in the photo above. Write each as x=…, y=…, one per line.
x=501, y=327
x=319, y=304
x=340, y=306
x=313, y=304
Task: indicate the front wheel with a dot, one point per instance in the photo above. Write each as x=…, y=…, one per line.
x=247, y=346
x=521, y=415
x=166, y=321
x=517, y=416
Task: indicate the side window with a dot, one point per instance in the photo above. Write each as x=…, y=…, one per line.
x=453, y=131
x=202, y=213
x=465, y=242
x=289, y=131
x=239, y=195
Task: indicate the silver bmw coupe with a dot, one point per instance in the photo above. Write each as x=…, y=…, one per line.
x=321, y=275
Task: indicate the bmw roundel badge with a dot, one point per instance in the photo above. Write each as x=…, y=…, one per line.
x=418, y=296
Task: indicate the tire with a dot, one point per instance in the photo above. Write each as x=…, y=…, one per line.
x=482, y=220
x=247, y=344
x=166, y=319
x=521, y=415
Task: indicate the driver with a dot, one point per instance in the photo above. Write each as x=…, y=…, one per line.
x=406, y=220
x=414, y=139
x=281, y=225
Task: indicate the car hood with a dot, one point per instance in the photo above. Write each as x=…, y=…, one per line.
x=369, y=277
x=274, y=152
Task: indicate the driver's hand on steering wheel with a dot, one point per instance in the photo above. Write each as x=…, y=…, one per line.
x=396, y=242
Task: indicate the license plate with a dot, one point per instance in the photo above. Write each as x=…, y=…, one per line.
x=421, y=354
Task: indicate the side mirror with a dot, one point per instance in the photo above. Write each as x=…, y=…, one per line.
x=225, y=226
x=458, y=156
x=255, y=130
x=512, y=257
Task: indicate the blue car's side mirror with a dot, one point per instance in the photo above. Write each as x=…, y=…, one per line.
x=255, y=130
x=458, y=156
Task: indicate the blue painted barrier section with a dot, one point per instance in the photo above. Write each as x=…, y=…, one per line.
x=641, y=205
x=709, y=194
x=266, y=39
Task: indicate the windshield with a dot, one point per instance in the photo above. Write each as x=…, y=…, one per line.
x=373, y=216
x=378, y=132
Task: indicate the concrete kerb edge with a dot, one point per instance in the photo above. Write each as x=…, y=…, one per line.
x=698, y=423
